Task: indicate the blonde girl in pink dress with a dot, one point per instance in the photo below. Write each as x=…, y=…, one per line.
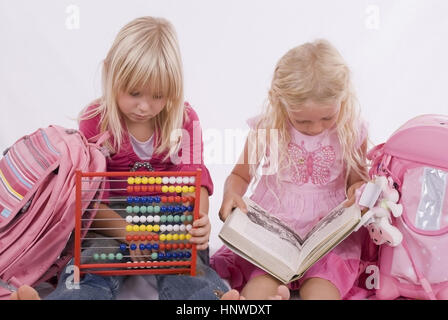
x=312, y=159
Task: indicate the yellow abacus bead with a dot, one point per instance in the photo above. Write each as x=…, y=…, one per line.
x=169, y=237
x=185, y=189
x=178, y=189
x=182, y=237
x=191, y=189
x=158, y=180
x=171, y=189
x=175, y=237
x=136, y=228
x=128, y=228
x=156, y=228
x=145, y=180
x=149, y=228
x=162, y=237
x=138, y=180
x=151, y=180
x=142, y=227
x=188, y=236
x=165, y=188
x=131, y=180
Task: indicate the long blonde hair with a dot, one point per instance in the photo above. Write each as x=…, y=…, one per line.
x=313, y=71
x=145, y=53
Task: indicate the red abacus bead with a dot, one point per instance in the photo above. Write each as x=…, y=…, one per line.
x=150, y=188
x=158, y=188
x=149, y=237
x=175, y=246
x=188, y=245
x=191, y=199
x=142, y=238
x=170, y=199
x=164, y=199
x=137, y=189
x=176, y=199
x=181, y=246
x=130, y=189
x=168, y=246
x=162, y=246
x=184, y=199
x=144, y=188
x=128, y=238
x=136, y=238
x=155, y=237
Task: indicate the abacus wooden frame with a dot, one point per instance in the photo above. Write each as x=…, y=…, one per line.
x=190, y=266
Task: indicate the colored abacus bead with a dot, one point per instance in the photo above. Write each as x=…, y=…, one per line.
x=161, y=256
x=149, y=228
x=151, y=180
x=165, y=180
x=188, y=227
x=136, y=219
x=129, y=238
x=154, y=255
x=187, y=255
x=129, y=219
x=142, y=246
x=136, y=209
x=172, y=180
x=175, y=246
x=188, y=245
x=135, y=228
x=111, y=256
x=190, y=218
x=149, y=237
x=142, y=219
x=192, y=180
x=150, y=209
x=156, y=209
x=148, y=246
x=122, y=247
x=168, y=255
x=176, y=228
x=171, y=189
x=138, y=180
x=162, y=228
x=135, y=238
x=182, y=236
x=181, y=246
x=176, y=219
x=96, y=256
x=158, y=180
x=163, y=219
x=169, y=237
x=175, y=237
x=150, y=219
x=145, y=180
x=129, y=209
x=137, y=189
x=155, y=246
x=165, y=189
x=179, y=180
x=131, y=180
x=156, y=228
x=178, y=189
x=156, y=219
x=170, y=218
x=185, y=189
x=133, y=246
x=103, y=256
x=118, y=256
x=182, y=227
x=143, y=209
x=169, y=228
x=129, y=228
x=188, y=236
x=130, y=189
x=185, y=180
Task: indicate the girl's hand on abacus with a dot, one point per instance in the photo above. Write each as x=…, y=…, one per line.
x=200, y=233
x=231, y=201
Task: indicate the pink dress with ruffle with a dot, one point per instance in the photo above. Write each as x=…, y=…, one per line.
x=313, y=185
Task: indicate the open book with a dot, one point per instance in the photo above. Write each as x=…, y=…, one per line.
x=268, y=243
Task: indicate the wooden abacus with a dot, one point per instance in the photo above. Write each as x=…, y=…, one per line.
x=161, y=228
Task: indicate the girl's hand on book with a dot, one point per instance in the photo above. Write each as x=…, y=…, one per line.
x=200, y=233
x=351, y=193
x=231, y=201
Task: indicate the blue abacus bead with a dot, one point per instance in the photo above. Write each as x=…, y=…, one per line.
x=174, y=255
x=161, y=256
x=149, y=199
x=155, y=246
x=148, y=246
x=163, y=209
x=122, y=247
x=142, y=246
x=133, y=246
x=129, y=199
x=129, y=209
x=171, y=209
x=135, y=199
x=168, y=255
x=184, y=208
x=187, y=254
x=190, y=208
x=157, y=199
x=96, y=256
x=180, y=255
x=136, y=209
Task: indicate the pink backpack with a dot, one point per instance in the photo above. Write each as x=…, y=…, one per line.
x=416, y=158
x=37, y=203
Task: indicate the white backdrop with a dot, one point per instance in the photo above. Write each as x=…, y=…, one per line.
x=51, y=52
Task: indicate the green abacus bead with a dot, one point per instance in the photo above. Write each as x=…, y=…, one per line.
x=143, y=209
x=163, y=219
x=96, y=256
x=103, y=256
x=129, y=209
x=169, y=218
x=136, y=209
x=183, y=218
x=119, y=256
x=111, y=256
x=150, y=209
x=189, y=218
x=156, y=209
x=176, y=219
x=154, y=255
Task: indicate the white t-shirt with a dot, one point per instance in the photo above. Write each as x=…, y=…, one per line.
x=144, y=150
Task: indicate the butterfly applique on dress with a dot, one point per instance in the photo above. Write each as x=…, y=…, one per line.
x=314, y=166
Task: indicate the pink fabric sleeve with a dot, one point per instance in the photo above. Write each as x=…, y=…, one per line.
x=193, y=145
